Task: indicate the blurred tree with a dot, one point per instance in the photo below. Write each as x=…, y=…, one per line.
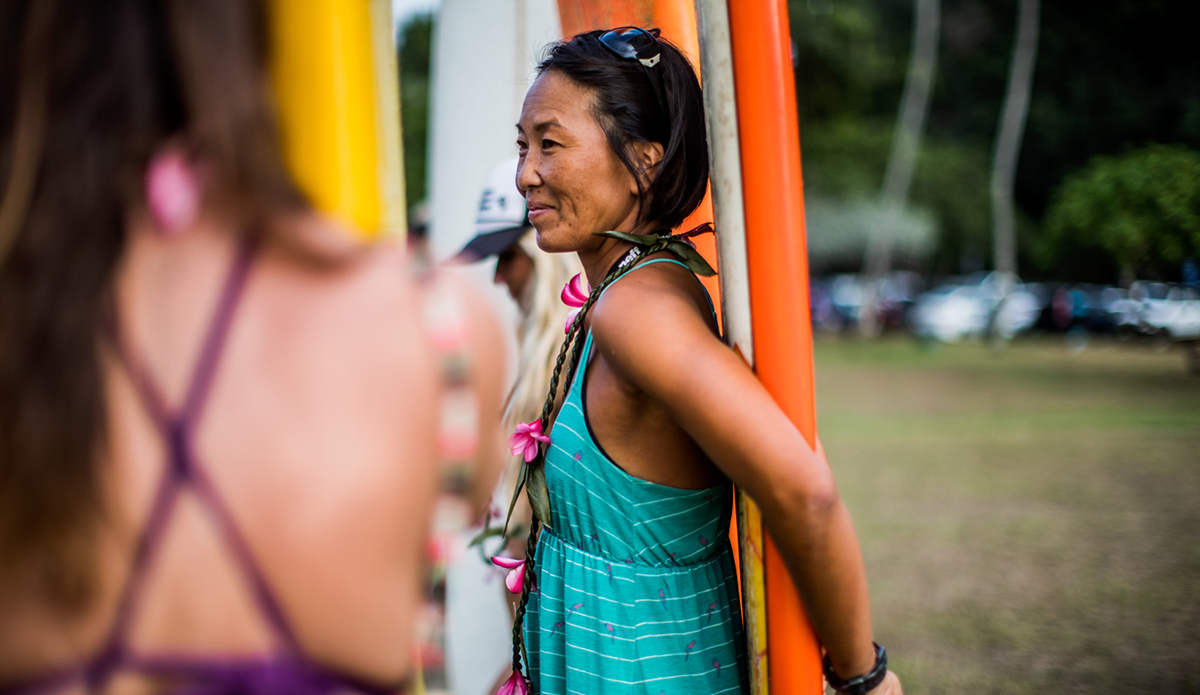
x=1008, y=137
x=1107, y=78
x=413, y=45
x=1141, y=209
x=845, y=59
x=906, y=141
x=845, y=161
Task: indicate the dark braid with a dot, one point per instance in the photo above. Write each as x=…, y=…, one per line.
x=519, y=616
x=577, y=328
x=572, y=343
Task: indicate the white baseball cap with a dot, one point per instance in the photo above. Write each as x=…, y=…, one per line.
x=501, y=220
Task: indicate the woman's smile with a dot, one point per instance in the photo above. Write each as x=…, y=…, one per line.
x=574, y=184
x=537, y=211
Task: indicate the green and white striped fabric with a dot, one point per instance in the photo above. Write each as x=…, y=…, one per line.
x=636, y=585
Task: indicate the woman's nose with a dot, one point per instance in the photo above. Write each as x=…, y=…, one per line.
x=527, y=176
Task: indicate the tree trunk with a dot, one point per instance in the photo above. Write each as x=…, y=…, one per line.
x=910, y=125
x=1008, y=138
x=902, y=160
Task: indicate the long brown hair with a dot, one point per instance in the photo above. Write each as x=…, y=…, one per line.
x=88, y=90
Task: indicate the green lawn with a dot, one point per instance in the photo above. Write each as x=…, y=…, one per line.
x=1030, y=520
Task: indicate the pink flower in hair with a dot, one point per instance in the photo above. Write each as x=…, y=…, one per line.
x=524, y=441
x=515, y=685
x=515, y=580
x=573, y=295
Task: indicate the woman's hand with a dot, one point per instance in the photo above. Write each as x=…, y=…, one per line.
x=889, y=686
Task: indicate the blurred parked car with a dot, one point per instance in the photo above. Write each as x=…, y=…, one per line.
x=1172, y=312
x=995, y=304
x=848, y=295
x=824, y=316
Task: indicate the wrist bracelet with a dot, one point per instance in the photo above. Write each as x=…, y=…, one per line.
x=860, y=685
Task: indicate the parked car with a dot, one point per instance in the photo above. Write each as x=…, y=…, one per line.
x=995, y=304
x=1171, y=311
x=849, y=294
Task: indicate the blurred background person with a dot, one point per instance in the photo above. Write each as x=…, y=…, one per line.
x=534, y=280
x=219, y=414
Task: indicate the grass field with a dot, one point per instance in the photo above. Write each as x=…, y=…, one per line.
x=1030, y=520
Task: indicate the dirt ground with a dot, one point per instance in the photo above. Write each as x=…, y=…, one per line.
x=1030, y=519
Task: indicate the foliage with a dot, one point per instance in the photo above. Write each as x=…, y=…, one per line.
x=845, y=160
x=413, y=46
x=1104, y=81
x=846, y=60
x=1141, y=208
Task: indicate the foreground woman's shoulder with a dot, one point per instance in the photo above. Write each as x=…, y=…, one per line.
x=419, y=301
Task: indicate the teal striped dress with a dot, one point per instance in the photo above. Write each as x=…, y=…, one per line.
x=636, y=585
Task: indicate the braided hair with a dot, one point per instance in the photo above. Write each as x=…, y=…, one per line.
x=573, y=346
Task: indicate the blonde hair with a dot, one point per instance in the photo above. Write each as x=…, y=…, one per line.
x=540, y=332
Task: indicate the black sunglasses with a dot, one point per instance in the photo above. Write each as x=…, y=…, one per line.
x=641, y=45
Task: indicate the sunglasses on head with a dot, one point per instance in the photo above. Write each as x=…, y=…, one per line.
x=641, y=45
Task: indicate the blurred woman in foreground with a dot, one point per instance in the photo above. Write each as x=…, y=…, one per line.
x=218, y=415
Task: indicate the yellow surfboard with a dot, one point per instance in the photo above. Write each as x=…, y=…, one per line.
x=333, y=69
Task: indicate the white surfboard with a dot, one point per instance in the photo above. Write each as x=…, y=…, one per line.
x=484, y=55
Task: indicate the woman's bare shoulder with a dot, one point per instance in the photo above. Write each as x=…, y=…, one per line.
x=653, y=316
x=664, y=291
x=325, y=275
x=368, y=314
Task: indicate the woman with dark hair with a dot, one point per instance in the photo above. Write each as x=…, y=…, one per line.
x=219, y=415
x=632, y=585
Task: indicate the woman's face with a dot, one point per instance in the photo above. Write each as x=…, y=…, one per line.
x=571, y=178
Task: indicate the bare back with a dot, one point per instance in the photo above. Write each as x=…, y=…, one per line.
x=318, y=436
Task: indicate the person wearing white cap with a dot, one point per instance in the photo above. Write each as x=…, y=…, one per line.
x=499, y=227
x=534, y=279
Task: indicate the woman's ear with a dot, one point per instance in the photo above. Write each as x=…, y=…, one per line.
x=647, y=155
x=174, y=189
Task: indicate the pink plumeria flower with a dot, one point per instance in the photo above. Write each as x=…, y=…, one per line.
x=570, y=320
x=574, y=295
x=515, y=685
x=516, y=572
x=524, y=441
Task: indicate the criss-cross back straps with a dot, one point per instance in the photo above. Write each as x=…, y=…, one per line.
x=178, y=428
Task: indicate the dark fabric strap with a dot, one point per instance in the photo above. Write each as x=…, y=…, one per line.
x=177, y=429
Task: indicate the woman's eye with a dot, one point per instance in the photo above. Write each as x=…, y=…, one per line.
x=548, y=143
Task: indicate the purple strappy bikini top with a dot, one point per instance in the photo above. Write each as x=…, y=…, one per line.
x=288, y=670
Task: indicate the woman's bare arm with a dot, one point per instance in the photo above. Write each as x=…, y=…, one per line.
x=650, y=331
